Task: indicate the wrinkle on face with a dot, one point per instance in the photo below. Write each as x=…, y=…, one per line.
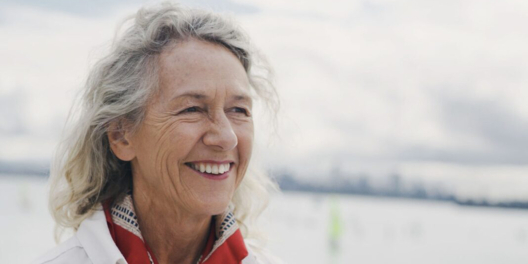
x=168, y=139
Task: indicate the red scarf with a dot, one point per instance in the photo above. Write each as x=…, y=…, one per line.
x=225, y=244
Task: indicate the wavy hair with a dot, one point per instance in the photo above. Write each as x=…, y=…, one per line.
x=85, y=172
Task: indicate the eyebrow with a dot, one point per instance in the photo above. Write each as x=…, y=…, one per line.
x=194, y=95
x=242, y=98
x=200, y=96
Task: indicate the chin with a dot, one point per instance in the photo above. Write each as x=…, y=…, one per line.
x=214, y=206
x=213, y=210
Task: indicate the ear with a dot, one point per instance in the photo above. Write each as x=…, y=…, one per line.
x=119, y=140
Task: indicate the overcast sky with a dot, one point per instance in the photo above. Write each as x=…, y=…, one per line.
x=412, y=86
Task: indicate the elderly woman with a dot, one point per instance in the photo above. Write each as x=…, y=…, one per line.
x=155, y=170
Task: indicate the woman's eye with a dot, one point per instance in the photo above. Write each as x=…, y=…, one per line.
x=193, y=109
x=240, y=110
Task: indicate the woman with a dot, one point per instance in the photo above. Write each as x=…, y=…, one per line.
x=154, y=170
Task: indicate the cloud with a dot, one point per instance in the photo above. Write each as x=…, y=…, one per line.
x=362, y=82
x=93, y=8
x=12, y=112
x=502, y=130
x=384, y=80
x=101, y=8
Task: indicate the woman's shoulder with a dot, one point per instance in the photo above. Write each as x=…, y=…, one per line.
x=92, y=243
x=66, y=252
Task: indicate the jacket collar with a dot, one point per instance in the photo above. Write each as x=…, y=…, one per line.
x=225, y=241
x=95, y=237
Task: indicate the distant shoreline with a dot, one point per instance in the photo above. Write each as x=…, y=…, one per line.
x=308, y=188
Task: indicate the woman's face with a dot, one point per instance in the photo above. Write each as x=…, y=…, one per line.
x=194, y=145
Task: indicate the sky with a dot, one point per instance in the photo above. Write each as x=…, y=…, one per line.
x=419, y=87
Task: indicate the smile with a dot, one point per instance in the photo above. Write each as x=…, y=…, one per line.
x=210, y=168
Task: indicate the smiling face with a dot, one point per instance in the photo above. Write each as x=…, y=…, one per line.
x=194, y=144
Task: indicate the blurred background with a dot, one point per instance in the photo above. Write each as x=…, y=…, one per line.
x=402, y=137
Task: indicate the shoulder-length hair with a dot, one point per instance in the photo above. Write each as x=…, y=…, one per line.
x=85, y=171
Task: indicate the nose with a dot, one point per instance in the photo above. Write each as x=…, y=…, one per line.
x=220, y=134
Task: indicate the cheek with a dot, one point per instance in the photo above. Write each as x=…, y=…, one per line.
x=161, y=148
x=156, y=145
x=181, y=141
x=245, y=148
x=245, y=138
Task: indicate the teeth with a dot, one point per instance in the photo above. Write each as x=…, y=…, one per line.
x=215, y=169
x=211, y=168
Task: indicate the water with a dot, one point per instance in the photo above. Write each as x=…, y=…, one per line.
x=26, y=229
x=378, y=230
x=372, y=230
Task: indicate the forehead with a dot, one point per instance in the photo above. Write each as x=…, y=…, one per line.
x=200, y=66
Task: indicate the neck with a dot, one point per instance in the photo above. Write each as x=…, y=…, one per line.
x=172, y=235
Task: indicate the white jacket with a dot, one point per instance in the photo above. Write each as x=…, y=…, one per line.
x=93, y=244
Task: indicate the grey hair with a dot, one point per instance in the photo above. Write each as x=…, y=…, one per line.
x=85, y=171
